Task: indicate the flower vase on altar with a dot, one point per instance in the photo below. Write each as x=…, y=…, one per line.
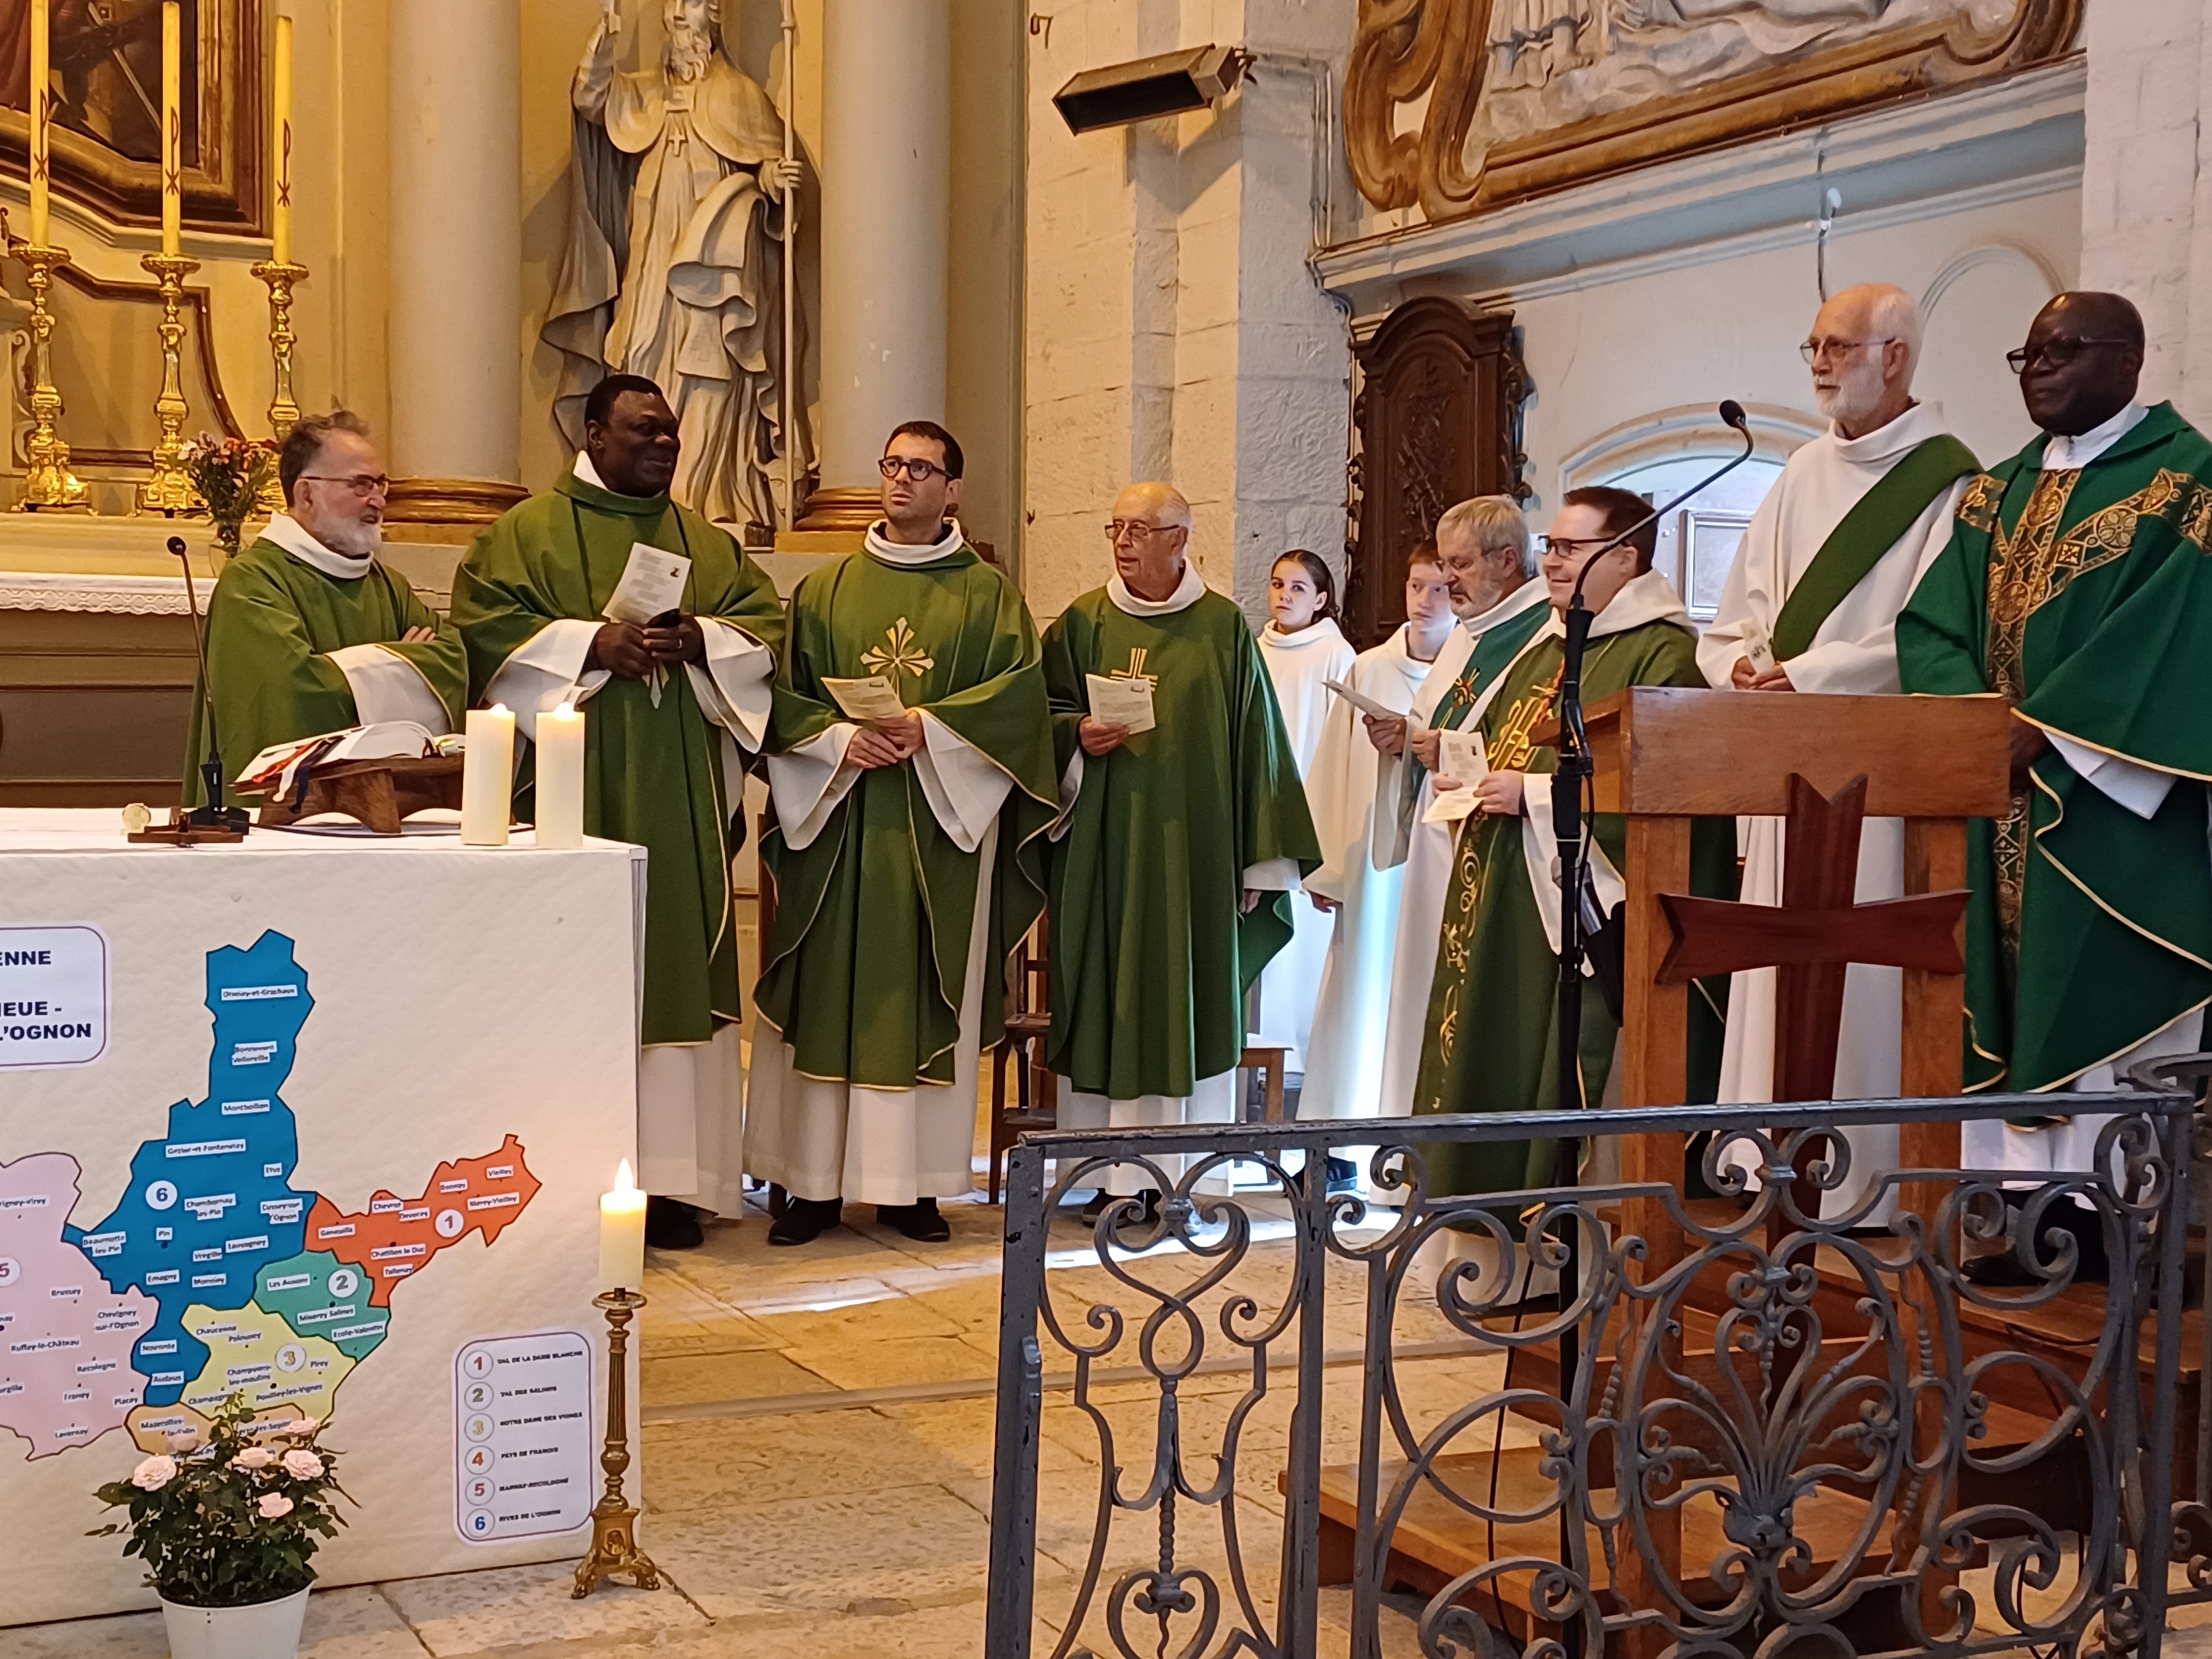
x=229, y=475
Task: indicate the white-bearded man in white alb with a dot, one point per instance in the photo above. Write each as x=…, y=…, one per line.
x=1811, y=605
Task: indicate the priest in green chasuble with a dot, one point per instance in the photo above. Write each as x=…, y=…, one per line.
x=907, y=858
x=668, y=704
x=2076, y=587
x=1490, y=1044
x=1178, y=848
x=306, y=631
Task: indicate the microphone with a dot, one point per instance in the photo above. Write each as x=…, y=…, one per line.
x=214, y=814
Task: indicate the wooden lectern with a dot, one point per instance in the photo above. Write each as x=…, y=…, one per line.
x=1665, y=755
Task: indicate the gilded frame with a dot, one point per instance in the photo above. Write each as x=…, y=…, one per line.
x=223, y=191
x=1403, y=50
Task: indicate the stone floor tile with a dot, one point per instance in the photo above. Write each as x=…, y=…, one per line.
x=352, y=1622
x=754, y=1374
x=893, y=1314
x=125, y=1636
x=473, y=1613
x=854, y=1362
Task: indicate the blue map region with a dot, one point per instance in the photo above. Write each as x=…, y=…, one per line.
x=211, y=1204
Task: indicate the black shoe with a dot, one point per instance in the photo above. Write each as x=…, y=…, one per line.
x=1343, y=1175
x=672, y=1224
x=806, y=1219
x=1146, y=1215
x=918, y=1221
x=2002, y=1270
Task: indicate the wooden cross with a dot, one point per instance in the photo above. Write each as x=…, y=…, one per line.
x=1812, y=937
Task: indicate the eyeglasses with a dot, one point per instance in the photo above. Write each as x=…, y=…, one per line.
x=361, y=483
x=2057, y=352
x=920, y=471
x=1116, y=528
x=1813, y=349
x=1568, y=546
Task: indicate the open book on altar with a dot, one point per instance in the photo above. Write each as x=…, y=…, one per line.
x=271, y=772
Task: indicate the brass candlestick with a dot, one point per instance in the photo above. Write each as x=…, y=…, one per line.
x=48, y=485
x=615, y=1554
x=283, y=411
x=170, y=490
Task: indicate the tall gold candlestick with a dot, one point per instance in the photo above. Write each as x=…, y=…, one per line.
x=283, y=411
x=615, y=1554
x=172, y=130
x=170, y=490
x=48, y=483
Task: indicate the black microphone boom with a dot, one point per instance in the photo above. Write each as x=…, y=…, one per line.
x=212, y=814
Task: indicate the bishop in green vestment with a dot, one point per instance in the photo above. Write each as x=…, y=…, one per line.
x=1491, y=1043
x=2077, y=586
x=666, y=707
x=307, y=632
x=1178, y=846
x=908, y=859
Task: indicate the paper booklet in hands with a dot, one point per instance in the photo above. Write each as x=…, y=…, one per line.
x=1460, y=757
x=1123, y=702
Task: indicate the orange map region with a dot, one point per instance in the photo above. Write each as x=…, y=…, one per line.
x=397, y=1236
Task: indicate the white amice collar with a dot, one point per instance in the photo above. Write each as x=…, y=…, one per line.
x=590, y=474
x=1189, y=591
x=1915, y=427
x=890, y=552
x=1323, y=628
x=2061, y=452
x=1651, y=597
x=289, y=534
x=1534, y=591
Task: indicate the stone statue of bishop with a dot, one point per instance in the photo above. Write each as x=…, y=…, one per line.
x=674, y=266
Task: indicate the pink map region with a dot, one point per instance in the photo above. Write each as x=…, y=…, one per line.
x=65, y=1339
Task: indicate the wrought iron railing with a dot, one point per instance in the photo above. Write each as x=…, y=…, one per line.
x=1290, y=1423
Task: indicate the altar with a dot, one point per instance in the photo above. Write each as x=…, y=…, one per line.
x=323, y=1119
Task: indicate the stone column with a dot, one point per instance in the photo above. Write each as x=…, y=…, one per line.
x=456, y=227
x=886, y=198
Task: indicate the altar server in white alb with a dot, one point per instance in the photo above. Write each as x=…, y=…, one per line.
x=1304, y=649
x=1344, y=1061
x=1501, y=601
x=1811, y=605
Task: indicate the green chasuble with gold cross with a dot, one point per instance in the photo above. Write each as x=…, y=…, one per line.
x=272, y=624
x=528, y=598
x=876, y=910
x=2084, y=595
x=1151, y=955
x=1491, y=1039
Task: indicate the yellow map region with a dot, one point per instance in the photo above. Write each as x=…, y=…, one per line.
x=258, y=1355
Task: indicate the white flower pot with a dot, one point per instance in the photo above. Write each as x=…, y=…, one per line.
x=267, y=1630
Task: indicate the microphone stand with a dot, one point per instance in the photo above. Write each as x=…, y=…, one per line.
x=213, y=815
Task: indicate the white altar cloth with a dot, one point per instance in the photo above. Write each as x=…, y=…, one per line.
x=265, y=1085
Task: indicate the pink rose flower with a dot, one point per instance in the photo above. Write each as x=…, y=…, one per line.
x=153, y=1474
x=303, y=1465
x=184, y=1440
x=274, y=1505
x=253, y=1457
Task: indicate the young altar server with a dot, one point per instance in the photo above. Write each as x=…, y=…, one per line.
x=1344, y=1062
x=1180, y=843
x=1304, y=648
x=667, y=705
x=1490, y=1039
x=1501, y=602
x=306, y=631
x=1810, y=605
x=907, y=858
x=2075, y=585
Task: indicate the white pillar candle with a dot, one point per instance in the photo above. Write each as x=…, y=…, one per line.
x=561, y=777
x=41, y=132
x=172, y=130
x=280, y=207
x=621, y=1235
x=487, y=777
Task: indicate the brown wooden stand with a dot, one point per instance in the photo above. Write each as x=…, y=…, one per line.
x=379, y=793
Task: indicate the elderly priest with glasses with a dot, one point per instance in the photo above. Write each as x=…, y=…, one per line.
x=306, y=631
x=2075, y=586
x=574, y=597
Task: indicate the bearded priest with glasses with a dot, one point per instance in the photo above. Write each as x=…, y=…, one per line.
x=911, y=764
x=1810, y=606
x=2075, y=586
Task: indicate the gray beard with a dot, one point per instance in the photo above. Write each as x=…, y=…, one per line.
x=356, y=540
x=1858, y=397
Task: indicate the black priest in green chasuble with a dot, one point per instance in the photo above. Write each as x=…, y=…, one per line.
x=911, y=764
x=668, y=701
x=1184, y=831
x=2076, y=587
x=307, y=631
x=1491, y=1041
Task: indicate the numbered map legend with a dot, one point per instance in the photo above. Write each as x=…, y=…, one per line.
x=522, y=1435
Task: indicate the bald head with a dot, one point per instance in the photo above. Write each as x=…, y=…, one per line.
x=1865, y=344
x=2082, y=362
x=1151, y=536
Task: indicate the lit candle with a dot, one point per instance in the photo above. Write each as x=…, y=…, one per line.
x=173, y=129
x=280, y=213
x=41, y=143
x=488, y=777
x=621, y=1235
x=561, y=777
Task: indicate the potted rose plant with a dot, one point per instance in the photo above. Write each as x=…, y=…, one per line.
x=227, y=1526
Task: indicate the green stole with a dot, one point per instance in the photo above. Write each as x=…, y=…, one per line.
x=653, y=772
x=1151, y=954
x=1869, y=530
x=1494, y=652
x=2085, y=596
x=272, y=623
x=864, y=974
